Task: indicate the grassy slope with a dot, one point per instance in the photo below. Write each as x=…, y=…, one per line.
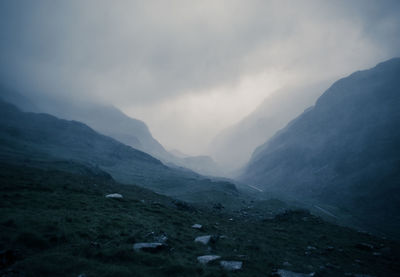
x=60, y=224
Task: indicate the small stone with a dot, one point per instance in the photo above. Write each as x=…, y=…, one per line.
x=287, y=264
x=364, y=246
x=148, y=246
x=207, y=258
x=197, y=226
x=203, y=239
x=332, y=266
x=377, y=254
x=311, y=248
x=82, y=275
x=231, y=265
x=114, y=195
x=161, y=238
x=287, y=273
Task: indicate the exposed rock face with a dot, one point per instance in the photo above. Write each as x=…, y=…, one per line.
x=344, y=151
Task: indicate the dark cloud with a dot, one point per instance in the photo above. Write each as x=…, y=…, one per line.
x=140, y=53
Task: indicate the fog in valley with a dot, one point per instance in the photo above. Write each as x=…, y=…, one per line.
x=191, y=71
x=199, y=138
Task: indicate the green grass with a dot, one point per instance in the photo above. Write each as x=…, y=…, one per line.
x=60, y=224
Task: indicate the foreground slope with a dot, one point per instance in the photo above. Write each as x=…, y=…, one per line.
x=55, y=223
x=31, y=136
x=344, y=151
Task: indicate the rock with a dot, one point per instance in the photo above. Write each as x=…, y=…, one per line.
x=365, y=246
x=332, y=266
x=148, y=246
x=82, y=275
x=114, y=195
x=197, y=226
x=311, y=248
x=203, y=239
x=287, y=264
x=287, y=273
x=231, y=265
x=207, y=258
x=377, y=254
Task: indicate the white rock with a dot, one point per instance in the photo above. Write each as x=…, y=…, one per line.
x=148, y=246
x=114, y=195
x=231, y=265
x=207, y=258
x=197, y=226
x=203, y=239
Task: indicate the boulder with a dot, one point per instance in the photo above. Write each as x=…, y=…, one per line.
x=148, y=246
x=207, y=258
x=203, y=239
x=114, y=195
x=231, y=265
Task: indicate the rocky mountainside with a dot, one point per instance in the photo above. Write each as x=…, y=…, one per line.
x=344, y=151
x=27, y=137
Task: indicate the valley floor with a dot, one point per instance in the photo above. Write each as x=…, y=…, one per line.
x=55, y=223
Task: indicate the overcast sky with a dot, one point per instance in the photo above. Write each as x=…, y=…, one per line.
x=189, y=68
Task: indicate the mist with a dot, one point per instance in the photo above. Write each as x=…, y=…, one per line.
x=189, y=70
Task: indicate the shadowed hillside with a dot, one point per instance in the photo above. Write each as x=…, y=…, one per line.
x=344, y=151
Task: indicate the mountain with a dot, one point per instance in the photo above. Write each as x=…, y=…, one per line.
x=27, y=138
x=344, y=151
x=232, y=148
x=110, y=121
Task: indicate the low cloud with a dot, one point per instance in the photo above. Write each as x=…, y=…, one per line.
x=158, y=57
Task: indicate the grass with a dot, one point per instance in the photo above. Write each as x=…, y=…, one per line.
x=60, y=224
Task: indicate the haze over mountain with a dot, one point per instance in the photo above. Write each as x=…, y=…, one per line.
x=232, y=148
x=189, y=70
x=344, y=151
x=109, y=121
x=30, y=137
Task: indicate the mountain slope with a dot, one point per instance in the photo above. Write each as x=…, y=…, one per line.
x=110, y=121
x=42, y=137
x=344, y=151
x=233, y=147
